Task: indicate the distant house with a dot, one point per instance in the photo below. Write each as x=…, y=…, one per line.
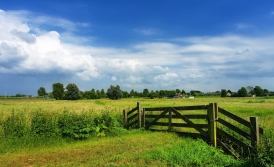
x=228, y=93
x=191, y=97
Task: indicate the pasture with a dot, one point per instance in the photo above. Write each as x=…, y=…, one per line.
x=124, y=148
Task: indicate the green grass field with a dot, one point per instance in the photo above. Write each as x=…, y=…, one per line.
x=126, y=148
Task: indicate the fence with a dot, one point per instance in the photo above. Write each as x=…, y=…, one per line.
x=220, y=127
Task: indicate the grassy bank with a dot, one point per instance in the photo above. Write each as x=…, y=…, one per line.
x=46, y=132
x=136, y=148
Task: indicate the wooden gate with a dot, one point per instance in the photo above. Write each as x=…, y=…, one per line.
x=211, y=122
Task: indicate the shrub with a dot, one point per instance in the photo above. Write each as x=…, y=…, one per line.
x=74, y=125
x=15, y=125
x=265, y=154
x=43, y=124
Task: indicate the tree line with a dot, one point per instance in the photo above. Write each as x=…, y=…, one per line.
x=72, y=92
x=247, y=92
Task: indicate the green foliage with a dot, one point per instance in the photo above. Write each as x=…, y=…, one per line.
x=265, y=155
x=145, y=92
x=72, y=93
x=15, y=125
x=106, y=124
x=41, y=91
x=114, y=92
x=42, y=124
x=58, y=91
x=223, y=93
x=77, y=126
x=153, y=94
x=242, y=92
x=190, y=153
x=258, y=91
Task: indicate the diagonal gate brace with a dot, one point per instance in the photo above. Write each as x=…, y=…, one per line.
x=190, y=123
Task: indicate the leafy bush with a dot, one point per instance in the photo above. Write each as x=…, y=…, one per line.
x=43, y=124
x=77, y=126
x=15, y=125
x=265, y=155
x=107, y=123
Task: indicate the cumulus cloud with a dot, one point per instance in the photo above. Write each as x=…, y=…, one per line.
x=11, y=55
x=25, y=48
x=29, y=38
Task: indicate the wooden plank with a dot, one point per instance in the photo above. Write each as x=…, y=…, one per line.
x=156, y=119
x=199, y=107
x=200, y=116
x=132, y=123
x=131, y=111
x=233, y=139
x=190, y=122
x=132, y=117
x=235, y=117
x=234, y=128
x=156, y=109
x=204, y=126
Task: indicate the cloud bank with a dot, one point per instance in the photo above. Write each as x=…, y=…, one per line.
x=208, y=63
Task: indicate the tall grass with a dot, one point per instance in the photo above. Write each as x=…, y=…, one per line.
x=29, y=124
x=19, y=129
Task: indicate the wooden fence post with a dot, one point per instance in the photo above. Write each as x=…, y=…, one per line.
x=139, y=110
x=212, y=128
x=143, y=118
x=254, y=131
x=169, y=119
x=125, y=118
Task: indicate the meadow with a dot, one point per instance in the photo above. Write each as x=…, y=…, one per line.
x=104, y=142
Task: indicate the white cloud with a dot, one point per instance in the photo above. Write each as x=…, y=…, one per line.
x=147, y=31
x=25, y=48
x=165, y=77
x=242, y=26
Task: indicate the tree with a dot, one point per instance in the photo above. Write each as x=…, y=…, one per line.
x=266, y=92
x=125, y=94
x=72, y=92
x=258, y=91
x=177, y=91
x=183, y=92
x=132, y=93
x=114, y=92
x=98, y=93
x=195, y=92
x=223, y=93
x=58, y=91
x=250, y=90
x=103, y=94
x=242, y=92
x=41, y=91
x=92, y=94
x=153, y=94
x=145, y=92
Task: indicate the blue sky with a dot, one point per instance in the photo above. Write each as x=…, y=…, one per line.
x=156, y=44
